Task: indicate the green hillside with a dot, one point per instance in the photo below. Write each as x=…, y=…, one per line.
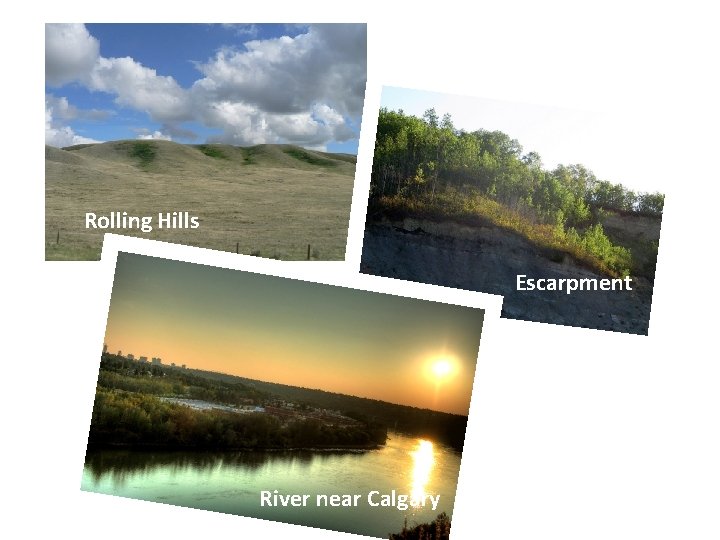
x=426, y=168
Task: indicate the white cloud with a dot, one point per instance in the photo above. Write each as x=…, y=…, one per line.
x=299, y=90
x=63, y=110
x=241, y=124
x=307, y=90
x=310, y=129
x=70, y=53
x=57, y=134
x=141, y=88
x=155, y=135
x=250, y=30
x=60, y=108
x=335, y=121
x=289, y=75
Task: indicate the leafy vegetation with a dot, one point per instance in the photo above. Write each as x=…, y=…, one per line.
x=443, y=427
x=249, y=156
x=302, y=155
x=119, y=373
x=136, y=419
x=438, y=529
x=212, y=151
x=129, y=411
x=120, y=376
x=143, y=151
x=429, y=169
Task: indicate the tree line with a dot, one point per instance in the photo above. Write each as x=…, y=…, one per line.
x=425, y=154
x=134, y=419
x=123, y=377
x=445, y=428
x=427, y=166
x=120, y=373
x=128, y=411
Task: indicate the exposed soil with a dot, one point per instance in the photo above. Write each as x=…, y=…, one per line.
x=488, y=259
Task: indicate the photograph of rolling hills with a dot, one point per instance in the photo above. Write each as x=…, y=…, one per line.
x=217, y=391
x=239, y=138
x=470, y=208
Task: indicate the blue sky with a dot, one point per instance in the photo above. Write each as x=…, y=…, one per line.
x=194, y=83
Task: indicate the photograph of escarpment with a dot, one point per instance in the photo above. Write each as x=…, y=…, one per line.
x=234, y=137
x=459, y=202
x=280, y=399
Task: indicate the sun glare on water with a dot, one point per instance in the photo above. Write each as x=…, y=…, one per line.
x=423, y=461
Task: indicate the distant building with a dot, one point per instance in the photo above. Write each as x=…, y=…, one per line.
x=183, y=366
x=131, y=357
x=156, y=361
x=143, y=359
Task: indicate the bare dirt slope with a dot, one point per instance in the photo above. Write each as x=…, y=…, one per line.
x=273, y=200
x=488, y=259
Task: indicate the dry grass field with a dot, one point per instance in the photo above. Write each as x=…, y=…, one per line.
x=272, y=200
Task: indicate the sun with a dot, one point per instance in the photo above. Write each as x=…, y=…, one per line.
x=441, y=368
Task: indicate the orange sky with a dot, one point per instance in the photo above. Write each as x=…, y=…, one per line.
x=294, y=332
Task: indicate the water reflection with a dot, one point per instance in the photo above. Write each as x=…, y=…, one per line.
x=120, y=465
x=423, y=461
x=232, y=482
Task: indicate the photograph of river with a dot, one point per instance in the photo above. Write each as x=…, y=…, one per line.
x=230, y=482
x=281, y=399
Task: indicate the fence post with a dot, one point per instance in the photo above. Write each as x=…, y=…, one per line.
x=308, y=252
x=57, y=240
x=237, y=248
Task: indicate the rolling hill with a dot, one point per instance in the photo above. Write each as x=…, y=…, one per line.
x=265, y=200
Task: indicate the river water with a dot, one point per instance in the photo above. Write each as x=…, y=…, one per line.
x=234, y=482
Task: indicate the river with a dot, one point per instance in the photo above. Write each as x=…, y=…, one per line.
x=233, y=482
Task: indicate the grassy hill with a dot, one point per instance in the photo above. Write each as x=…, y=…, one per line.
x=273, y=200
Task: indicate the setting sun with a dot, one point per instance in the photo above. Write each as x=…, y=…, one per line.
x=441, y=368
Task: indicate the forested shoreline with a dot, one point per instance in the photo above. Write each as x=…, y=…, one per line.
x=128, y=419
x=427, y=168
x=133, y=408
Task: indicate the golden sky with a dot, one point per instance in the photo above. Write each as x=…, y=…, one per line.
x=294, y=332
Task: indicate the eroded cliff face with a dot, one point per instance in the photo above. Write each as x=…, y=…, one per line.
x=489, y=259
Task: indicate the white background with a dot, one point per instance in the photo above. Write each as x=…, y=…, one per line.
x=573, y=433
